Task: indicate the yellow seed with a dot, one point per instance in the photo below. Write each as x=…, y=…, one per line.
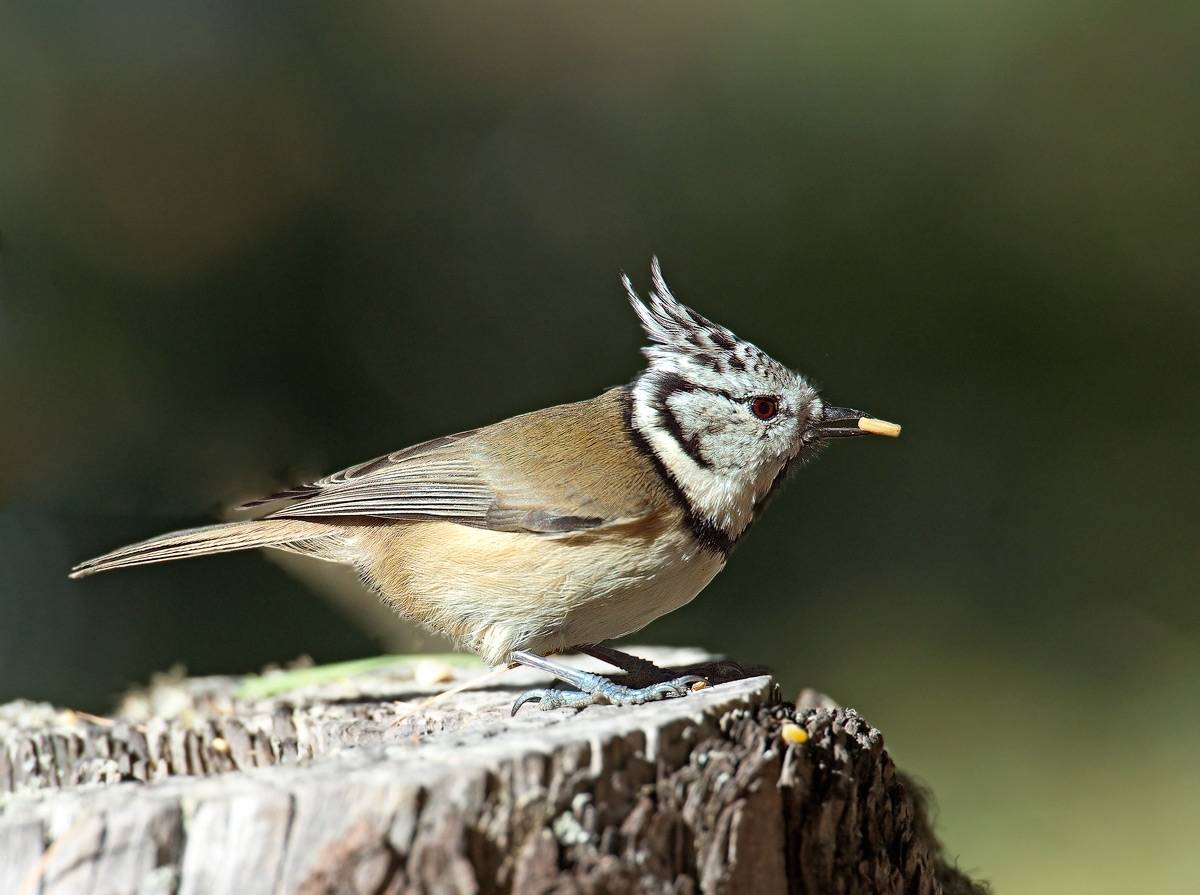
x=879, y=427
x=794, y=733
x=700, y=685
x=219, y=745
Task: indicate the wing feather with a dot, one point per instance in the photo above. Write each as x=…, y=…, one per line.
x=432, y=479
x=542, y=472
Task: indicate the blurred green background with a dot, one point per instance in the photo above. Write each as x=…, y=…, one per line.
x=244, y=244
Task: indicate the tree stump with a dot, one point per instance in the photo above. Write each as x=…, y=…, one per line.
x=360, y=785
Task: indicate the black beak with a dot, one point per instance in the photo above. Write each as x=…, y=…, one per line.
x=843, y=422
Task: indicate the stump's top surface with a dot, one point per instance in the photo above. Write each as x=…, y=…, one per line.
x=182, y=726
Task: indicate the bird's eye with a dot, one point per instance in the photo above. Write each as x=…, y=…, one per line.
x=764, y=408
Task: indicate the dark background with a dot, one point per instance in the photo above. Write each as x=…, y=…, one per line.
x=244, y=245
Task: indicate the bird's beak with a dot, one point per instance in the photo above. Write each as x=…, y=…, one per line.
x=842, y=422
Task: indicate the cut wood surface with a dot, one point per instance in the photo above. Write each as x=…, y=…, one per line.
x=360, y=784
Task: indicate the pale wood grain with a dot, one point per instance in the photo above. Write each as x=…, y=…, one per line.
x=353, y=786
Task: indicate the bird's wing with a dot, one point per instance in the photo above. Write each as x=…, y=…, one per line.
x=432, y=480
x=542, y=472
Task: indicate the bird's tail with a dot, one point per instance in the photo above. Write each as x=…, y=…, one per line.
x=296, y=535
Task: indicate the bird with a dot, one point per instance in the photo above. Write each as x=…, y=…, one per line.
x=563, y=528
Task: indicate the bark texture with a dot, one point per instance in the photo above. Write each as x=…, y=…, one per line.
x=356, y=786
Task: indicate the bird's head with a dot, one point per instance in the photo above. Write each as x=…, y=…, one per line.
x=724, y=417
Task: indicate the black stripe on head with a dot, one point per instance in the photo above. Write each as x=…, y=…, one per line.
x=708, y=535
x=665, y=386
x=721, y=340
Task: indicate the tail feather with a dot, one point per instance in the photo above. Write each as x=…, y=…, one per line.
x=297, y=535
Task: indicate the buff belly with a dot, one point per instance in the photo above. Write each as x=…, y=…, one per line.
x=492, y=592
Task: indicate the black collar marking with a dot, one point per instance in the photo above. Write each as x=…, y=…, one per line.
x=709, y=535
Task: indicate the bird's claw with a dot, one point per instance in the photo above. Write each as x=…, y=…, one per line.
x=606, y=692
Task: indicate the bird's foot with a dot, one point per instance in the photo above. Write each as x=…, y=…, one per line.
x=595, y=689
x=609, y=693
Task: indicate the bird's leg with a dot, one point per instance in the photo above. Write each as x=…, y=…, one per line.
x=594, y=689
x=630, y=664
x=644, y=669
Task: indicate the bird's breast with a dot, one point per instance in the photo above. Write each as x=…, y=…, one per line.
x=495, y=591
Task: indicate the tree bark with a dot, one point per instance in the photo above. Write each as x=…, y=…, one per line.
x=358, y=786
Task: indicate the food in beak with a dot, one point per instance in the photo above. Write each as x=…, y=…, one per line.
x=879, y=427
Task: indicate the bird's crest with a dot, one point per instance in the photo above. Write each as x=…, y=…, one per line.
x=678, y=334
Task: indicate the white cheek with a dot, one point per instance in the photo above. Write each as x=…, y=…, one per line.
x=742, y=455
x=725, y=497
